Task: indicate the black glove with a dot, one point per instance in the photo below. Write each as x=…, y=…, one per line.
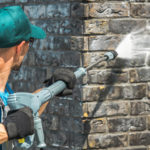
x=19, y=123
x=65, y=75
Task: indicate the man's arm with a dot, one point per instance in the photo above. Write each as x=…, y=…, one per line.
x=3, y=134
x=5, y=129
x=65, y=75
x=42, y=108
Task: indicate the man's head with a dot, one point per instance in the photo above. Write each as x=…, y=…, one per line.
x=16, y=32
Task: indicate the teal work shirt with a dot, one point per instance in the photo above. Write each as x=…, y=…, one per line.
x=4, y=96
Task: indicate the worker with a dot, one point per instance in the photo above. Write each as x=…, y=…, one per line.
x=16, y=36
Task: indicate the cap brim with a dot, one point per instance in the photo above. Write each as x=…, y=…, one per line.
x=37, y=32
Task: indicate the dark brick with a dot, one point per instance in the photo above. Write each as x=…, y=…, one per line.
x=65, y=26
x=124, y=26
x=58, y=10
x=130, y=148
x=102, y=42
x=58, y=138
x=6, y=1
x=140, y=108
x=148, y=122
x=140, y=75
x=52, y=43
x=20, y=86
x=95, y=125
x=71, y=124
x=75, y=108
x=140, y=10
x=96, y=26
x=108, y=9
x=106, y=141
x=134, y=91
x=21, y=1
x=50, y=122
x=78, y=141
x=58, y=107
x=77, y=9
x=107, y=76
x=113, y=92
x=139, y=139
x=56, y=58
x=35, y=11
x=127, y=124
x=79, y=43
x=124, y=92
x=91, y=93
x=148, y=89
x=106, y=109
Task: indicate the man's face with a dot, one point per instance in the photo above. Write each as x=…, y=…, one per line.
x=19, y=58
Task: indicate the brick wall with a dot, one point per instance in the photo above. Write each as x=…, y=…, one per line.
x=110, y=107
x=116, y=98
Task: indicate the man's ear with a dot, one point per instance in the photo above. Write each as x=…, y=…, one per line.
x=19, y=48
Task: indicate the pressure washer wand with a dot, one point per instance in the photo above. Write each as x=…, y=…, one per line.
x=107, y=56
x=94, y=64
x=34, y=101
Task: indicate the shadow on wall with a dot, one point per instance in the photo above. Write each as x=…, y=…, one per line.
x=98, y=106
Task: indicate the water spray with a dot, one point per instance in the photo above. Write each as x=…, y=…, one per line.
x=135, y=44
x=34, y=101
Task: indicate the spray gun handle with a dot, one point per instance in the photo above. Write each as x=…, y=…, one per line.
x=28, y=141
x=39, y=131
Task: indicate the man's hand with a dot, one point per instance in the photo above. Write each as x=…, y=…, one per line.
x=19, y=123
x=65, y=75
x=3, y=134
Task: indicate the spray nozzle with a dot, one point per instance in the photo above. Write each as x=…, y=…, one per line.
x=111, y=55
